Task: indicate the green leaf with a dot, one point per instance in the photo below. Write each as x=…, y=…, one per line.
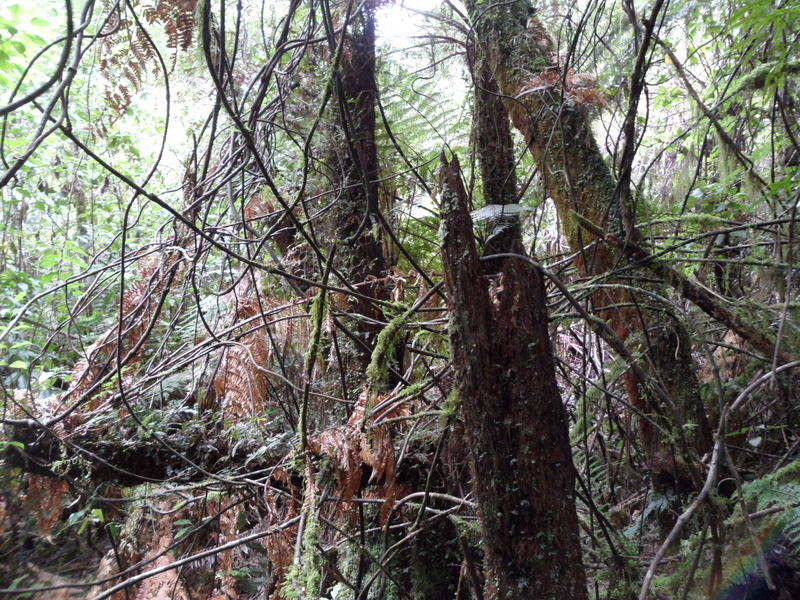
x=36, y=40
x=4, y=445
x=76, y=261
x=84, y=525
x=75, y=517
x=46, y=378
x=48, y=260
x=18, y=364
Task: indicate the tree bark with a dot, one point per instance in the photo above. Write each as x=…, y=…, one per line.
x=354, y=217
x=356, y=159
x=554, y=121
x=515, y=422
x=495, y=158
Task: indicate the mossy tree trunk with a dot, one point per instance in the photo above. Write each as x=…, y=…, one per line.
x=354, y=222
x=557, y=130
x=515, y=422
x=493, y=137
x=356, y=156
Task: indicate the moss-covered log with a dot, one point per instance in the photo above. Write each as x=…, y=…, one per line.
x=122, y=456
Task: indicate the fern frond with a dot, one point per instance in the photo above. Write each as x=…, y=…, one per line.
x=126, y=46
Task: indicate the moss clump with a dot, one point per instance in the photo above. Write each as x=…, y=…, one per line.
x=384, y=348
x=469, y=529
x=304, y=578
x=451, y=406
x=317, y=319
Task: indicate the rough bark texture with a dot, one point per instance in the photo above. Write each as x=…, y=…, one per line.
x=495, y=145
x=553, y=118
x=354, y=215
x=495, y=159
x=515, y=422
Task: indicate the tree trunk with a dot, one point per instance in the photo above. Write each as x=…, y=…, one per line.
x=515, y=422
x=496, y=160
x=355, y=213
x=553, y=117
x=354, y=216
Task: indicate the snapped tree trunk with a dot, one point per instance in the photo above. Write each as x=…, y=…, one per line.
x=552, y=116
x=514, y=419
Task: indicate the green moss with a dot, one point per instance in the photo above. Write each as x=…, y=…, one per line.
x=412, y=390
x=317, y=319
x=451, y=406
x=702, y=221
x=384, y=348
x=349, y=559
x=304, y=577
x=469, y=529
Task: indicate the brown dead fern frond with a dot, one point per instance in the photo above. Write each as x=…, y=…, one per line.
x=47, y=579
x=167, y=584
x=224, y=581
x=178, y=19
x=139, y=304
x=5, y=521
x=283, y=500
x=580, y=89
x=343, y=446
x=126, y=53
x=242, y=382
x=354, y=446
x=44, y=499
